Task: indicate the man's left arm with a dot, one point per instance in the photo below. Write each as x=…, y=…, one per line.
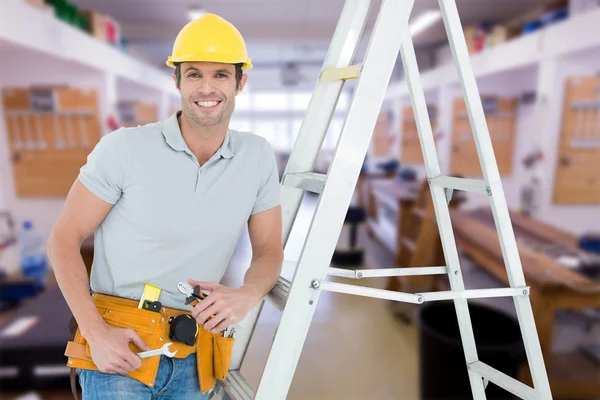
x=230, y=305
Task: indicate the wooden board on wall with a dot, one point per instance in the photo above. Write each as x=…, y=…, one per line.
x=411, y=152
x=137, y=113
x=577, y=179
x=501, y=117
x=383, y=138
x=49, y=147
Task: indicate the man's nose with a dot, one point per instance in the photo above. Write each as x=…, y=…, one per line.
x=206, y=86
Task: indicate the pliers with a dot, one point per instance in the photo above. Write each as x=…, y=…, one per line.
x=194, y=295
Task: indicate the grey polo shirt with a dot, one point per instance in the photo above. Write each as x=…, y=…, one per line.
x=172, y=218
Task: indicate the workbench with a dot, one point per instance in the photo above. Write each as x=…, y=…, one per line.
x=553, y=287
x=389, y=202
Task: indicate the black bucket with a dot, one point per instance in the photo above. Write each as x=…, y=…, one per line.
x=443, y=371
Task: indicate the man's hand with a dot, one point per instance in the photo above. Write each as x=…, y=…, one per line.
x=110, y=350
x=227, y=305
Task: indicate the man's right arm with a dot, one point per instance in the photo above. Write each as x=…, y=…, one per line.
x=99, y=185
x=81, y=215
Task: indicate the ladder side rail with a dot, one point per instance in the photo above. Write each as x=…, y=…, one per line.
x=335, y=199
x=499, y=207
x=321, y=107
x=442, y=211
x=312, y=133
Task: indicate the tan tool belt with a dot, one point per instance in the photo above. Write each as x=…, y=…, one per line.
x=213, y=350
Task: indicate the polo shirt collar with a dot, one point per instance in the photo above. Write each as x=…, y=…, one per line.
x=174, y=138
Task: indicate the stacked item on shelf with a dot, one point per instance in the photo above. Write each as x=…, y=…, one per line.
x=51, y=131
x=134, y=113
x=489, y=34
x=501, y=116
x=100, y=26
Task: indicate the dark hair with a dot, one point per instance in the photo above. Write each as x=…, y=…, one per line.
x=238, y=74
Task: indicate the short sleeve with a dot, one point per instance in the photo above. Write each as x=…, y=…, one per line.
x=104, y=172
x=268, y=195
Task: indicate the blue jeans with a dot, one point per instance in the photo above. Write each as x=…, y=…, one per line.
x=177, y=378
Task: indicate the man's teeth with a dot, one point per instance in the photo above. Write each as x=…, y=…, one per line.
x=207, y=103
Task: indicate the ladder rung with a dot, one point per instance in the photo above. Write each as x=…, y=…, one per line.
x=475, y=293
x=504, y=381
x=236, y=386
x=418, y=298
x=467, y=185
x=368, y=292
x=309, y=181
x=279, y=294
x=344, y=73
x=370, y=273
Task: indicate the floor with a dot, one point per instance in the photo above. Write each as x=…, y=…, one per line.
x=355, y=348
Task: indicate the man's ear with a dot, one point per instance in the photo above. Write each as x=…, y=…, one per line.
x=175, y=80
x=242, y=83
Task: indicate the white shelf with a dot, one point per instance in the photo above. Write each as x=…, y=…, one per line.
x=23, y=26
x=559, y=40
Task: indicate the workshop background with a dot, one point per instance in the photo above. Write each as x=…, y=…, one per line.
x=72, y=71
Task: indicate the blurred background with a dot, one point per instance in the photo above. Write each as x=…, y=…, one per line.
x=72, y=71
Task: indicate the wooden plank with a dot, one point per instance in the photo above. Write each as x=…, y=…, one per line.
x=577, y=178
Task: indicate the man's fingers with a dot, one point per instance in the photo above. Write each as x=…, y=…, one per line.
x=132, y=360
x=221, y=327
x=210, y=324
x=201, y=306
x=205, y=315
x=137, y=340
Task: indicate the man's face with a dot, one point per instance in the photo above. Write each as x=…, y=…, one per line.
x=208, y=92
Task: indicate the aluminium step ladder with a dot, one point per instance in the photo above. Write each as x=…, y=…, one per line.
x=298, y=299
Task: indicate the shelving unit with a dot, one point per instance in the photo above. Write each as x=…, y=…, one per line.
x=535, y=66
x=38, y=50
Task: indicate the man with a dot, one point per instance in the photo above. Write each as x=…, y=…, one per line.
x=167, y=202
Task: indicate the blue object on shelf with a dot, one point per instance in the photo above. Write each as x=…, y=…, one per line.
x=590, y=242
x=532, y=26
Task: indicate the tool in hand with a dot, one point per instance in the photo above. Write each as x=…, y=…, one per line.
x=163, y=350
x=193, y=294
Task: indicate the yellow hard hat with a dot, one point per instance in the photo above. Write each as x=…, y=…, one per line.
x=210, y=38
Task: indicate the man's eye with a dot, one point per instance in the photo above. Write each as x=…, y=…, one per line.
x=193, y=75
x=221, y=76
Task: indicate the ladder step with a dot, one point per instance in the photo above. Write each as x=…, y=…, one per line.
x=474, y=294
x=512, y=385
x=467, y=185
x=237, y=387
x=370, y=273
x=417, y=298
x=367, y=291
x=279, y=294
x=309, y=181
x=344, y=73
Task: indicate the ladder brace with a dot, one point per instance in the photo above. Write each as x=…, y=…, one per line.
x=504, y=381
x=418, y=298
x=370, y=273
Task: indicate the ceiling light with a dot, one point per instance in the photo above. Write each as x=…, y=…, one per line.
x=424, y=21
x=195, y=12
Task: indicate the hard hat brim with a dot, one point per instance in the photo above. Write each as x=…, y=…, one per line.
x=209, y=57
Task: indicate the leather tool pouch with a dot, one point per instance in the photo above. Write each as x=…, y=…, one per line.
x=213, y=351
